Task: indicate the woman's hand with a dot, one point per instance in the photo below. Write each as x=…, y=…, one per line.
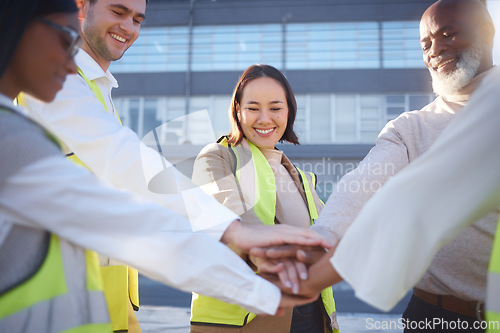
x=246, y=236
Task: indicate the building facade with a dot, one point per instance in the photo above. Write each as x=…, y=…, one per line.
x=353, y=65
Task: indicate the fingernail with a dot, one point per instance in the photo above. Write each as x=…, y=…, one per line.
x=288, y=284
x=295, y=289
x=303, y=276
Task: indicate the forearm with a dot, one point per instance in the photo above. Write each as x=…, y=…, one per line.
x=71, y=203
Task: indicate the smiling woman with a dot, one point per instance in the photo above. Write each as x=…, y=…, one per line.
x=246, y=173
x=41, y=273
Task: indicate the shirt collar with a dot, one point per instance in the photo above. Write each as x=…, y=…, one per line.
x=92, y=69
x=465, y=93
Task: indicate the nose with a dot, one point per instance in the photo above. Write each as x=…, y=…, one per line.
x=265, y=116
x=436, y=48
x=127, y=25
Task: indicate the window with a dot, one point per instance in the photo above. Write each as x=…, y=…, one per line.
x=326, y=45
x=156, y=50
x=401, y=46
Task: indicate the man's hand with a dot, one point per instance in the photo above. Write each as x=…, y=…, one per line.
x=247, y=236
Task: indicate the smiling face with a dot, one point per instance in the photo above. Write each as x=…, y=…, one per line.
x=110, y=27
x=454, y=49
x=41, y=61
x=263, y=112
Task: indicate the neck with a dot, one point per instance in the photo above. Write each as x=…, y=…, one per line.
x=7, y=88
x=103, y=63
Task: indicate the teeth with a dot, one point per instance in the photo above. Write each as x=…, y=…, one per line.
x=263, y=131
x=118, y=38
x=444, y=63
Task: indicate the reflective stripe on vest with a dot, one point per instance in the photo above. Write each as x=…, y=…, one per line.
x=64, y=295
x=252, y=164
x=493, y=289
x=121, y=282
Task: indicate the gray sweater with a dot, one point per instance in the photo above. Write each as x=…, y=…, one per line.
x=460, y=267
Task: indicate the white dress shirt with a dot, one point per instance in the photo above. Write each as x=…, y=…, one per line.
x=53, y=194
x=115, y=153
x=457, y=181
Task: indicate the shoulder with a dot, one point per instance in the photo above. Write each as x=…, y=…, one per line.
x=216, y=151
x=22, y=142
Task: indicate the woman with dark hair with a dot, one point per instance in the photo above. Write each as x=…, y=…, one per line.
x=52, y=211
x=245, y=172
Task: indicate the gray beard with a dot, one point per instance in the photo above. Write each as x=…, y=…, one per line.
x=445, y=84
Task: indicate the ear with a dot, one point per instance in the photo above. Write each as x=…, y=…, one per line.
x=488, y=32
x=238, y=112
x=81, y=4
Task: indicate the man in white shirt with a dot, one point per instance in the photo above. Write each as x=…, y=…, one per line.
x=426, y=205
x=456, y=39
x=87, y=123
x=393, y=240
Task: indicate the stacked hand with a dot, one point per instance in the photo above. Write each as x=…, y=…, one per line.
x=295, y=259
x=297, y=270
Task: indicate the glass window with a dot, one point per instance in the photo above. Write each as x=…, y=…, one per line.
x=220, y=117
x=320, y=119
x=345, y=119
x=400, y=44
x=151, y=116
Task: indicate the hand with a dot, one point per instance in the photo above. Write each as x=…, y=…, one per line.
x=246, y=236
x=305, y=254
x=288, y=271
x=288, y=301
x=321, y=275
x=290, y=262
x=306, y=288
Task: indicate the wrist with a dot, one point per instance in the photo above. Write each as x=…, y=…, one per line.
x=230, y=235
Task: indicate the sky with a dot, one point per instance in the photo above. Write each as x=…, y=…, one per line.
x=494, y=9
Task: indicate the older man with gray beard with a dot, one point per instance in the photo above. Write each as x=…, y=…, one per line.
x=457, y=40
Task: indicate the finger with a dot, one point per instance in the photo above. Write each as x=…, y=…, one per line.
x=259, y=252
x=301, y=269
x=306, y=257
x=285, y=279
x=293, y=275
x=268, y=266
x=284, y=251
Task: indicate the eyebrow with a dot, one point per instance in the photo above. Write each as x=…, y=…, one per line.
x=127, y=10
x=272, y=102
x=438, y=32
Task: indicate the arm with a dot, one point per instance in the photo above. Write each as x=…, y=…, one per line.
x=426, y=205
x=116, y=154
x=383, y=161
x=71, y=203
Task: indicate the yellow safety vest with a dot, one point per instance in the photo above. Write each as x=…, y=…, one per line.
x=121, y=282
x=208, y=310
x=58, y=284
x=493, y=289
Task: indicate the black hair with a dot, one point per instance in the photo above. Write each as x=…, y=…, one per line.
x=15, y=15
